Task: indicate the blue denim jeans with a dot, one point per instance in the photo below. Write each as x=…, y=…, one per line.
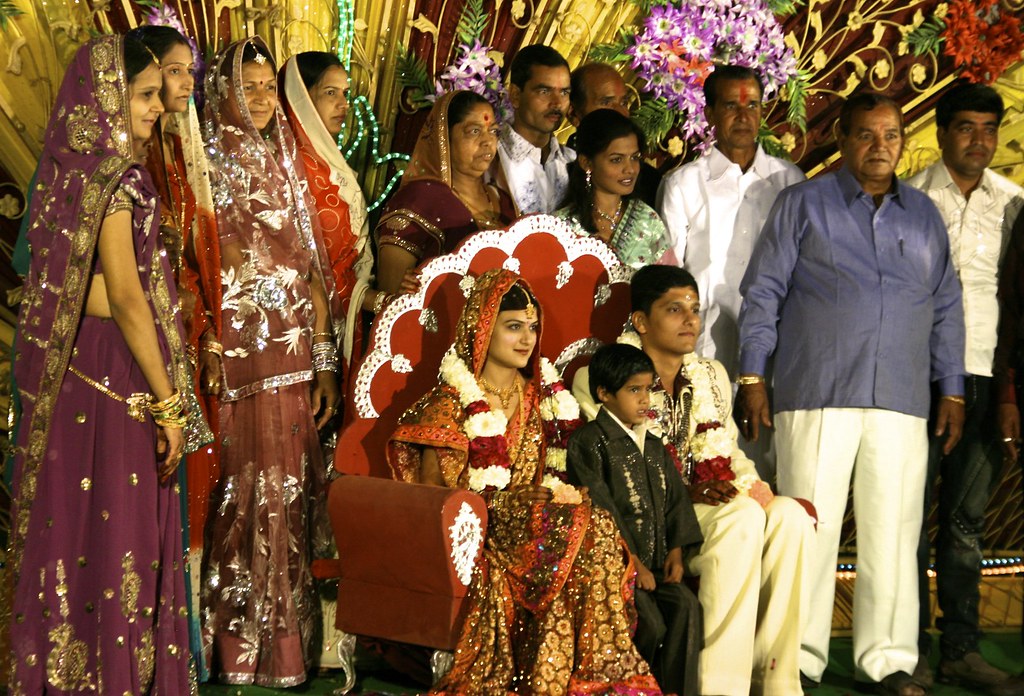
x=967, y=477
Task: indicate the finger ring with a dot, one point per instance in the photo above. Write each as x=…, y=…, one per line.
x=745, y=421
x=1007, y=439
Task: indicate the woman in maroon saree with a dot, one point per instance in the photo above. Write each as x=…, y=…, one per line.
x=443, y=198
x=94, y=575
x=267, y=518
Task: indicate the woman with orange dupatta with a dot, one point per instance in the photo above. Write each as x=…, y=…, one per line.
x=549, y=598
x=443, y=197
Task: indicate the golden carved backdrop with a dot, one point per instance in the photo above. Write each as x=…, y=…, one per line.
x=840, y=45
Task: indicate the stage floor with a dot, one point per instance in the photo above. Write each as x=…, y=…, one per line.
x=1004, y=649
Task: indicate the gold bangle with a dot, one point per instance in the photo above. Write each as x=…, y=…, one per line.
x=210, y=346
x=955, y=399
x=746, y=380
x=327, y=334
x=169, y=413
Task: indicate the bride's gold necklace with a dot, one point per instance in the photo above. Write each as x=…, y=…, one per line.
x=504, y=395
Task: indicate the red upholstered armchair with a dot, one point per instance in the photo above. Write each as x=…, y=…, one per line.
x=406, y=551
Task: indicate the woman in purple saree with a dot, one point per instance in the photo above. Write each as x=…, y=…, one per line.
x=94, y=590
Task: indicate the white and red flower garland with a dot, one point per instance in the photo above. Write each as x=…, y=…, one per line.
x=711, y=445
x=489, y=463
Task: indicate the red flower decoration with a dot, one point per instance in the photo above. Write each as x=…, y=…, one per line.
x=489, y=451
x=716, y=469
x=477, y=407
x=982, y=38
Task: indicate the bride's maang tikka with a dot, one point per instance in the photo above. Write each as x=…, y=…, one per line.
x=531, y=309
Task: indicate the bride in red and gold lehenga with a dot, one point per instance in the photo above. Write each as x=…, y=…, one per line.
x=549, y=599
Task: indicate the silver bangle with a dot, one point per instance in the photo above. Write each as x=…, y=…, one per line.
x=325, y=357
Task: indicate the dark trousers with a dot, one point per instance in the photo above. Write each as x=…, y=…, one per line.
x=670, y=634
x=968, y=475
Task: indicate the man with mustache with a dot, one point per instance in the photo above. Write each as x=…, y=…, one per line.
x=979, y=208
x=714, y=208
x=852, y=290
x=531, y=163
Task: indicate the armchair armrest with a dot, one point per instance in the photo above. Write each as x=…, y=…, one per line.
x=406, y=553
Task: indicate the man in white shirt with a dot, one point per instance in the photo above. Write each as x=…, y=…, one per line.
x=531, y=163
x=714, y=208
x=979, y=208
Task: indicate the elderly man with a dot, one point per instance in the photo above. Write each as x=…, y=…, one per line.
x=600, y=86
x=852, y=290
x=979, y=208
x=714, y=208
x=531, y=163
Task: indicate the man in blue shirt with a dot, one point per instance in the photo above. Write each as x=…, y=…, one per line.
x=852, y=290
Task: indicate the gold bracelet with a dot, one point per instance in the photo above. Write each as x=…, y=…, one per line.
x=169, y=413
x=211, y=346
x=326, y=334
x=746, y=380
x=955, y=399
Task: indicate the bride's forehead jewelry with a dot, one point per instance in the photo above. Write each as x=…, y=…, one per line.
x=531, y=309
x=260, y=58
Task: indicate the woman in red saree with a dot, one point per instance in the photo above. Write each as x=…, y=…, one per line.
x=177, y=162
x=443, y=197
x=550, y=595
x=95, y=551
x=316, y=103
x=267, y=519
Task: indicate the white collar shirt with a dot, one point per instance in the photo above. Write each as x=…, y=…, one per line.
x=714, y=212
x=637, y=433
x=979, y=232
x=535, y=187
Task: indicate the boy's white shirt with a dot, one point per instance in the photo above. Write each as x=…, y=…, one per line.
x=638, y=433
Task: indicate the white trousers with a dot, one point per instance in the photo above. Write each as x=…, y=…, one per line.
x=886, y=454
x=750, y=567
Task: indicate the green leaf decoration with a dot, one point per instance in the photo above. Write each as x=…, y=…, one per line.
x=472, y=22
x=613, y=51
x=8, y=11
x=796, y=91
x=646, y=5
x=771, y=143
x=413, y=75
x=784, y=8
x=927, y=38
x=655, y=119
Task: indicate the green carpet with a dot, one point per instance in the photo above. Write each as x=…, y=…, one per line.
x=1001, y=649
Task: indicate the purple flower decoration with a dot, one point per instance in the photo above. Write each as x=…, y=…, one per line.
x=476, y=71
x=680, y=42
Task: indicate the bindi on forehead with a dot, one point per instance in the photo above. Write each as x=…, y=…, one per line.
x=487, y=118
